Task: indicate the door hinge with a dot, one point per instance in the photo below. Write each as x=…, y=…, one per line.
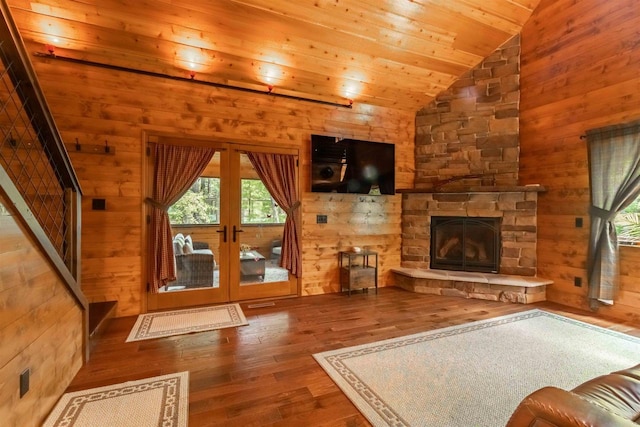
x=148, y=151
x=297, y=163
x=148, y=219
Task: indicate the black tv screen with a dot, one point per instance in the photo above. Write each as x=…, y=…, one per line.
x=352, y=166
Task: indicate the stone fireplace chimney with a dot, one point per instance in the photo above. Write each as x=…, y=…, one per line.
x=467, y=164
x=470, y=133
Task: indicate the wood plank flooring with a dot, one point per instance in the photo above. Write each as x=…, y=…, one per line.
x=263, y=374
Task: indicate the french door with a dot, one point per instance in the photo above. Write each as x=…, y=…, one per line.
x=244, y=249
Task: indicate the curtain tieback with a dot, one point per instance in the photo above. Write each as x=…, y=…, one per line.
x=293, y=207
x=602, y=213
x=156, y=204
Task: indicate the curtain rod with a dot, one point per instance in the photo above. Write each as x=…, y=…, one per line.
x=633, y=126
x=190, y=79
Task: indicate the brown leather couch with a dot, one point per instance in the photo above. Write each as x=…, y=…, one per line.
x=606, y=401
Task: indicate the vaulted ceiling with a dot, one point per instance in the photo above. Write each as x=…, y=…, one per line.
x=392, y=53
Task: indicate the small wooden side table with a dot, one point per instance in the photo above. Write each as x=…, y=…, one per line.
x=358, y=270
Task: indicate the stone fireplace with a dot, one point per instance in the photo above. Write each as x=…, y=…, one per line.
x=467, y=164
x=465, y=243
x=503, y=218
x=512, y=210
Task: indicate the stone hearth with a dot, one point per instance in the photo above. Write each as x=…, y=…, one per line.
x=486, y=286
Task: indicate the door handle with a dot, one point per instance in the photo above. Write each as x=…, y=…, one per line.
x=236, y=230
x=224, y=236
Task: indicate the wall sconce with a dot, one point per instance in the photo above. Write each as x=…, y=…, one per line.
x=50, y=48
x=192, y=74
x=270, y=88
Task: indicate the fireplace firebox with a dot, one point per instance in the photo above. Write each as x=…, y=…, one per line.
x=465, y=243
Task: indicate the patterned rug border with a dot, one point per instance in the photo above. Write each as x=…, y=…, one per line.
x=174, y=409
x=332, y=361
x=141, y=329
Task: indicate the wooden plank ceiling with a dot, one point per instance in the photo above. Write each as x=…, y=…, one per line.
x=391, y=53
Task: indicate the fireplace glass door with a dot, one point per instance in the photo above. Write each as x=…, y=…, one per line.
x=465, y=243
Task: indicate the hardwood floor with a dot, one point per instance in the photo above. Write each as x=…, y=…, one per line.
x=263, y=374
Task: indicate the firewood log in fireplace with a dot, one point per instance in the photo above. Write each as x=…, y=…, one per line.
x=452, y=248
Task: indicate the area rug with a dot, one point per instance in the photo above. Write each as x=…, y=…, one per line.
x=178, y=322
x=474, y=374
x=152, y=402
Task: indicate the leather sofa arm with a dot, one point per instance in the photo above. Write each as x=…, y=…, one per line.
x=554, y=407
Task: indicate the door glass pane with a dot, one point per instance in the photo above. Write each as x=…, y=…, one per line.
x=262, y=222
x=194, y=219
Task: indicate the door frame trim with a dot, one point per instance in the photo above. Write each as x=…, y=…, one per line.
x=158, y=137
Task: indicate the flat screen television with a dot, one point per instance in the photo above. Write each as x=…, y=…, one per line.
x=342, y=165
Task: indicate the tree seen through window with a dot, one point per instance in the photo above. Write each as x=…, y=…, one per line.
x=627, y=224
x=200, y=205
x=258, y=207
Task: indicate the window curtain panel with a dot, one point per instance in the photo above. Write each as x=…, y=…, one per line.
x=278, y=174
x=176, y=169
x=614, y=167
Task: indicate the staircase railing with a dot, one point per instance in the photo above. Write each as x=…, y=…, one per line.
x=36, y=174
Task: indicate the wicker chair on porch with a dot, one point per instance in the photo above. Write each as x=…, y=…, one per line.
x=195, y=263
x=276, y=250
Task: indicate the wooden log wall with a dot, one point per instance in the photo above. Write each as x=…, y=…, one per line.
x=579, y=71
x=97, y=105
x=41, y=327
x=372, y=222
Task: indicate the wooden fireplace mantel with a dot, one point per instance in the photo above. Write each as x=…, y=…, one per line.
x=537, y=188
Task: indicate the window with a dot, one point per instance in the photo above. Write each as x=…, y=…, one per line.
x=258, y=207
x=628, y=225
x=200, y=205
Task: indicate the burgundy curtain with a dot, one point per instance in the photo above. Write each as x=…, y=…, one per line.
x=278, y=174
x=176, y=169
